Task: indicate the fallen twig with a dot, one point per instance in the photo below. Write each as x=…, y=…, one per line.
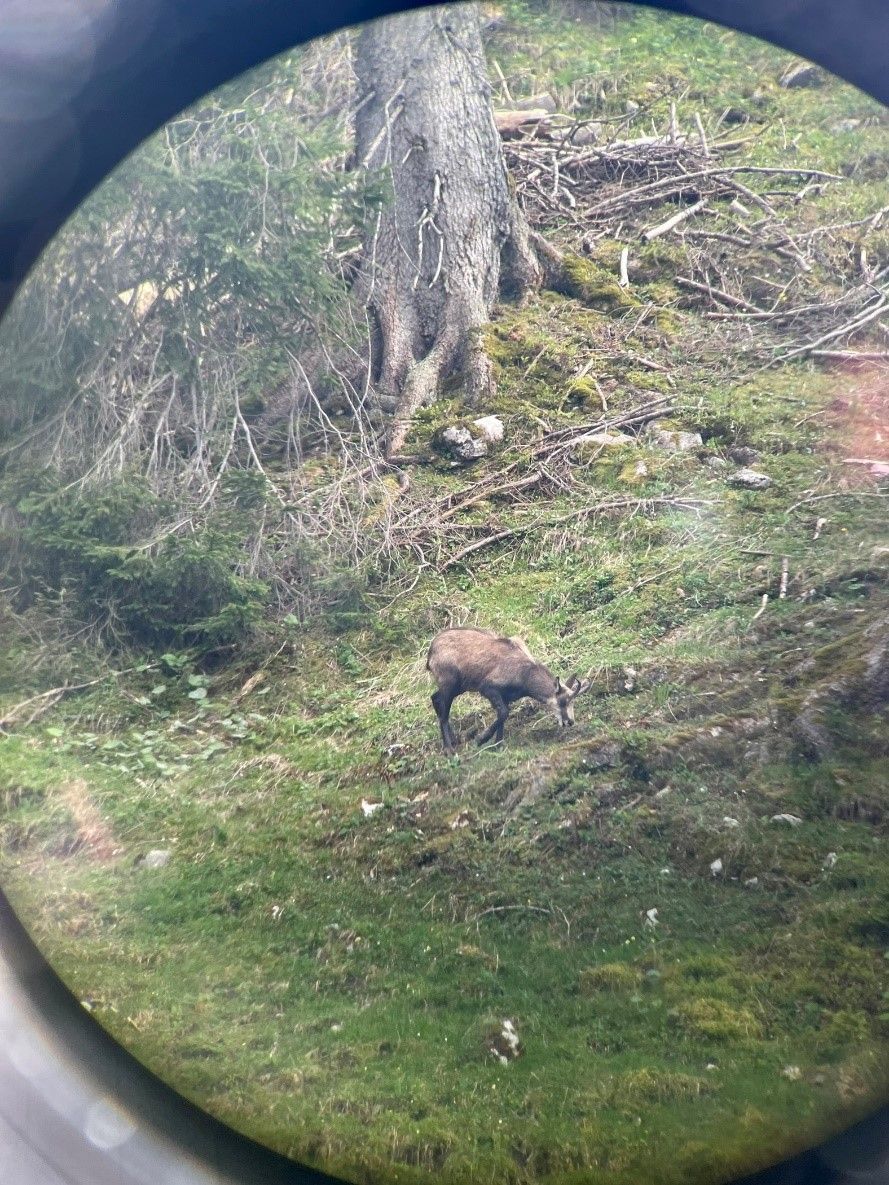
x=663, y=228
x=857, y=322
x=581, y=512
x=838, y=494
x=762, y=608
x=717, y=294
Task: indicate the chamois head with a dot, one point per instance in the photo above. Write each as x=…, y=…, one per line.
x=561, y=703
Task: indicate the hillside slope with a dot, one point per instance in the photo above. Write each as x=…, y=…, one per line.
x=682, y=909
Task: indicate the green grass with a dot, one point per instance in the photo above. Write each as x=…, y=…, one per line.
x=328, y=981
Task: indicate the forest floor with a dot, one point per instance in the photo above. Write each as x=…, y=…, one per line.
x=683, y=908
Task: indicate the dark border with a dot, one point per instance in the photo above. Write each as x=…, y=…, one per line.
x=81, y=85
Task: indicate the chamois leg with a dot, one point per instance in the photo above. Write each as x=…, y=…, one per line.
x=442, y=701
x=501, y=707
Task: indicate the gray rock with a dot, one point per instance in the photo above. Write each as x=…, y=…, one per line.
x=541, y=102
x=491, y=428
x=588, y=134
x=743, y=455
x=462, y=445
x=786, y=820
x=604, y=756
x=672, y=440
x=716, y=463
x=156, y=858
x=803, y=74
x=750, y=479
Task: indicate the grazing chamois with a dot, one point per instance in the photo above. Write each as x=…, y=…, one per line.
x=502, y=670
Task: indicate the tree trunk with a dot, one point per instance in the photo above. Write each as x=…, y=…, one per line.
x=450, y=238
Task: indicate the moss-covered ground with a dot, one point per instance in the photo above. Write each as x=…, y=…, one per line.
x=348, y=915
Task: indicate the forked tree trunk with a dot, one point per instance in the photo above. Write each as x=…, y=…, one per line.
x=451, y=237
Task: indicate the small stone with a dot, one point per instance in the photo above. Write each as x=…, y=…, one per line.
x=336, y=1027
x=743, y=455
x=728, y=821
x=803, y=74
x=672, y=440
x=716, y=463
x=491, y=428
x=711, y=1066
x=541, y=102
x=370, y=808
x=716, y=867
x=751, y=882
x=829, y=860
x=651, y=919
x=462, y=445
x=604, y=756
x=793, y=1073
x=663, y=793
x=156, y=858
x=588, y=134
x=787, y=820
x=750, y=479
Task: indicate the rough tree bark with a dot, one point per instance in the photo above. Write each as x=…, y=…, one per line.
x=451, y=238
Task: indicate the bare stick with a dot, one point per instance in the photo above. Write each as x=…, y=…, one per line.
x=839, y=494
x=853, y=355
x=624, y=280
x=595, y=508
x=762, y=608
x=782, y=590
x=503, y=83
x=718, y=294
x=704, y=146
x=655, y=232
x=858, y=322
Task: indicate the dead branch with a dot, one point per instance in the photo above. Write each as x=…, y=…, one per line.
x=857, y=322
x=655, y=232
x=718, y=294
x=588, y=511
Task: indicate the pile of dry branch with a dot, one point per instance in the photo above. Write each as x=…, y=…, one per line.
x=753, y=254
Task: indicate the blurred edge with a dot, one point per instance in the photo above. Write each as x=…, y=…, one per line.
x=76, y=1108
x=82, y=83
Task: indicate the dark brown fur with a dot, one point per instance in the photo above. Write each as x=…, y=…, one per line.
x=502, y=670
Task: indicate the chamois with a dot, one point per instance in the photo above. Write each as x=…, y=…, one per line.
x=503, y=670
